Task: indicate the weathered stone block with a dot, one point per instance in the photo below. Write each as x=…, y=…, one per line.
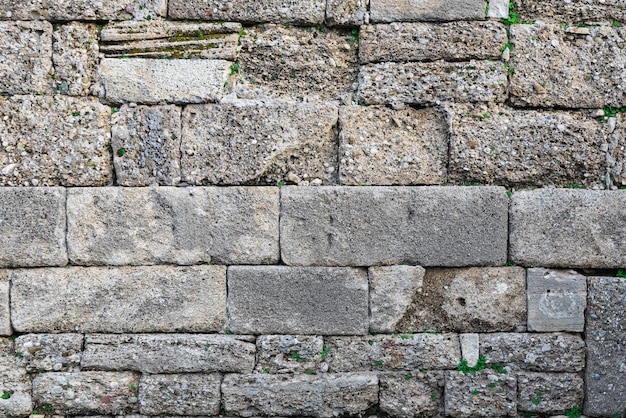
x=54, y=140
x=445, y=226
x=485, y=394
x=146, y=145
x=148, y=81
x=605, y=309
x=180, y=394
x=323, y=396
x=413, y=394
x=346, y=12
x=49, y=352
x=616, y=152
x=414, y=351
x=419, y=10
x=32, y=227
x=5, y=313
x=81, y=9
x=568, y=228
x=75, y=57
x=169, y=353
x=576, y=11
x=549, y=393
x=289, y=300
x=470, y=348
x=118, y=226
x=131, y=299
x=15, y=381
x=498, y=9
x=382, y=146
x=288, y=353
x=251, y=142
x=348, y=354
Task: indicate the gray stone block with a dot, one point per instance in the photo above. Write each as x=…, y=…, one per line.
x=568, y=228
x=180, y=394
x=499, y=9
x=5, y=313
x=288, y=300
x=348, y=354
x=616, y=152
x=82, y=9
x=346, y=12
x=131, y=299
x=412, y=394
x=414, y=351
x=549, y=393
x=444, y=226
x=485, y=394
x=419, y=10
x=470, y=348
x=579, y=11
x=120, y=226
x=13, y=379
x=32, y=227
x=169, y=353
x=49, y=352
x=289, y=353
x=605, y=309
x=76, y=57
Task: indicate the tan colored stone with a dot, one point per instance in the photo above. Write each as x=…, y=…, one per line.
x=413, y=351
x=420, y=10
x=616, y=152
x=572, y=11
x=346, y=12
x=5, y=312
x=75, y=57
x=82, y=9
x=13, y=379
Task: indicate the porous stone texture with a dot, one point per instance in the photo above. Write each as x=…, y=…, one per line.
x=572, y=11
x=568, y=228
x=414, y=351
x=549, y=393
x=392, y=289
x=75, y=57
x=81, y=9
x=15, y=381
x=412, y=394
x=54, y=140
x=324, y=396
x=616, y=152
x=32, y=227
x=500, y=145
x=346, y=12
x=428, y=41
x=180, y=394
x=26, y=57
x=49, y=352
x=383, y=146
x=252, y=142
x=445, y=226
x=348, y=354
x=87, y=392
x=485, y=394
x=146, y=145
x=141, y=80
x=120, y=226
x=545, y=75
x=432, y=82
x=5, y=314
x=289, y=300
x=470, y=348
x=169, y=353
x=288, y=353
x=435, y=10
x=556, y=300
x=149, y=299
x=558, y=352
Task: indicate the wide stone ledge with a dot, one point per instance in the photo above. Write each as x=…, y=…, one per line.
x=429, y=10
x=81, y=9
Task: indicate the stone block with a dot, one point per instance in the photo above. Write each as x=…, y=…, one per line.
x=54, y=140
x=605, y=309
x=76, y=57
x=452, y=41
x=414, y=351
x=26, y=51
x=253, y=142
x=381, y=146
x=324, y=396
x=32, y=227
x=348, y=354
x=412, y=394
x=146, y=144
x=568, y=228
x=59, y=10
x=429, y=10
x=130, y=299
x=556, y=300
x=498, y=9
x=470, y=348
x=49, y=352
x=422, y=83
x=485, y=394
x=616, y=152
x=549, y=393
x=119, y=226
x=141, y=80
x=87, y=392
x=305, y=300
x=5, y=313
x=346, y=12
x=576, y=12
x=444, y=226
x=180, y=394
x=169, y=353
x=289, y=353
x=15, y=381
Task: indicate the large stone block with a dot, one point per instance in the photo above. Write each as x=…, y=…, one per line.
x=412, y=394
x=15, y=381
x=82, y=9
x=54, y=140
x=118, y=226
x=572, y=11
x=290, y=300
x=49, y=352
x=131, y=299
x=5, y=313
x=180, y=394
x=549, y=393
x=441, y=226
x=348, y=354
x=289, y=353
x=32, y=227
x=484, y=394
x=76, y=58
x=568, y=228
x=420, y=10
x=346, y=12
x=169, y=353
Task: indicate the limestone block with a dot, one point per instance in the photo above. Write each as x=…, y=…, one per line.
x=15, y=381
x=130, y=299
x=498, y=9
x=54, y=140
x=119, y=226
x=616, y=152
x=26, y=63
x=32, y=227
x=420, y=10
x=346, y=12
x=487, y=393
x=76, y=57
x=412, y=394
x=568, y=228
x=288, y=353
x=169, y=353
x=382, y=146
x=49, y=352
x=252, y=142
x=411, y=351
x=444, y=226
x=180, y=394
x=82, y=9
x=5, y=313
x=605, y=309
x=470, y=348
x=549, y=393
x=348, y=354
x=579, y=11
x=305, y=300
x=323, y=396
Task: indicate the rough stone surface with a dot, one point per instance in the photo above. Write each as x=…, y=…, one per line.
x=32, y=227
x=572, y=11
x=412, y=394
x=5, y=314
x=346, y=12
x=119, y=226
x=415, y=351
x=382, y=146
x=169, y=353
x=13, y=379
x=348, y=354
x=288, y=353
x=568, y=228
x=416, y=10
x=324, y=396
x=252, y=142
x=180, y=394
x=49, y=352
x=470, y=348
x=146, y=145
x=445, y=226
x=130, y=299
x=54, y=140
x=549, y=393
x=485, y=394
x=616, y=152
x=26, y=57
x=81, y=9
x=498, y=9
x=289, y=300
x=75, y=57
x=142, y=80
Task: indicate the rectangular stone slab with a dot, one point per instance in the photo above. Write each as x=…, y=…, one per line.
x=426, y=10
x=5, y=313
x=572, y=11
x=81, y=9
x=440, y=226
x=180, y=394
x=49, y=352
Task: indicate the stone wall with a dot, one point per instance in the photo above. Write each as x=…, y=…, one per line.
x=393, y=208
